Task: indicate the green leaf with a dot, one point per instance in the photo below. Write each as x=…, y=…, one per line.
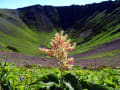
x=73, y=80
x=50, y=84
x=50, y=78
x=68, y=85
x=92, y=86
x=47, y=78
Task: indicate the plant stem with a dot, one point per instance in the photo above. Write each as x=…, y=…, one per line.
x=61, y=82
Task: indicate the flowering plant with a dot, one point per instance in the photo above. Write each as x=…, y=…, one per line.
x=60, y=48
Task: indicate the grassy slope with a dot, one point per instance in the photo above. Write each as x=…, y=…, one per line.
x=103, y=54
x=112, y=32
x=20, y=37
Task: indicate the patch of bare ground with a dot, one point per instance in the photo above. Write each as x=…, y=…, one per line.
x=22, y=59
x=103, y=61
x=105, y=47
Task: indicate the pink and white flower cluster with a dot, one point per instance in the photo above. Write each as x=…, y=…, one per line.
x=60, y=48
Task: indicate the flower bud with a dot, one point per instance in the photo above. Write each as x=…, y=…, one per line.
x=6, y=68
x=21, y=78
x=28, y=76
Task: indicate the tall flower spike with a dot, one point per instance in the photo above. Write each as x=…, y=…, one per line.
x=60, y=48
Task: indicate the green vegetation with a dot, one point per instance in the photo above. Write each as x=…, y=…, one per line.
x=22, y=39
x=109, y=31
x=36, y=77
x=93, y=31
x=98, y=40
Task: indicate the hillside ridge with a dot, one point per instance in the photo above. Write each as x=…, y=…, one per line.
x=90, y=26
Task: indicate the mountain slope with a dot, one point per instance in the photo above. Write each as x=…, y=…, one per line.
x=25, y=29
x=16, y=36
x=101, y=28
